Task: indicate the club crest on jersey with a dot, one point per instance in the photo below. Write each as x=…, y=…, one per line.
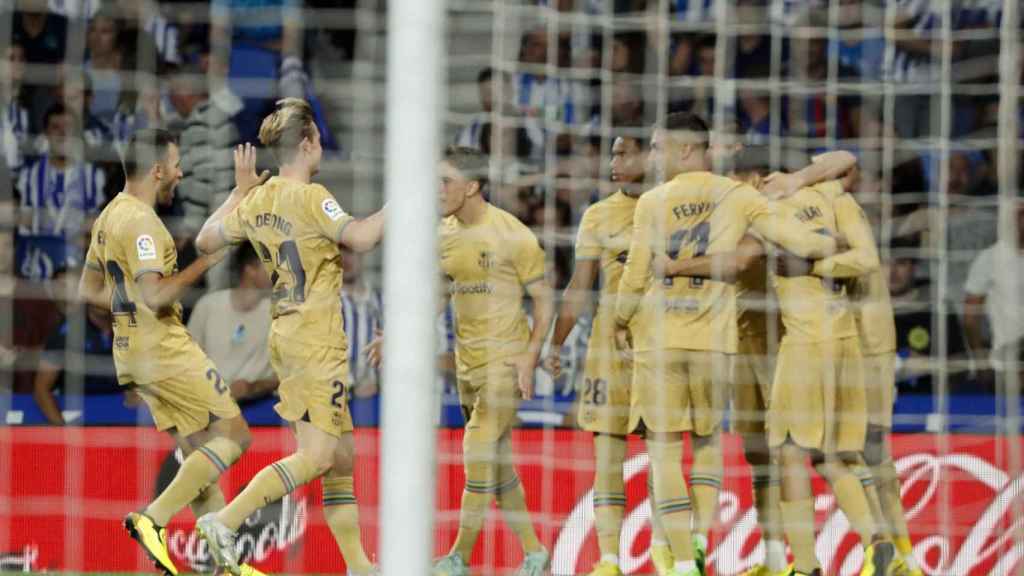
x=146, y=247
x=332, y=209
x=486, y=260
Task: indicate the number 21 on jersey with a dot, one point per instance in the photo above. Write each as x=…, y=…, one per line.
x=700, y=236
x=288, y=260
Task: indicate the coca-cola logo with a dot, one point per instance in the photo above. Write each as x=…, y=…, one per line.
x=938, y=493
x=272, y=529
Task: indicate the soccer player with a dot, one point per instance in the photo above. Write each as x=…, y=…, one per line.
x=683, y=331
x=296, y=226
x=490, y=260
x=132, y=268
x=877, y=332
x=754, y=365
x=602, y=245
x=818, y=405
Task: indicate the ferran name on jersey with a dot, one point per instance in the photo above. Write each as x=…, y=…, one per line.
x=692, y=209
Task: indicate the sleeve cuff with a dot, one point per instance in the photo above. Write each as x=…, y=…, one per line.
x=341, y=230
x=145, y=271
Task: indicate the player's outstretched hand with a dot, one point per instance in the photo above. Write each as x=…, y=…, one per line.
x=780, y=185
x=553, y=362
x=375, y=351
x=245, y=169
x=525, y=366
x=624, y=342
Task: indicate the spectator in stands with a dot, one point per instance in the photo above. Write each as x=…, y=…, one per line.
x=15, y=128
x=80, y=347
x=105, y=63
x=470, y=136
x=27, y=315
x=994, y=290
x=145, y=17
x=75, y=93
x=917, y=342
x=208, y=135
x=541, y=98
x=59, y=191
x=232, y=327
x=363, y=309
x=42, y=33
x=970, y=221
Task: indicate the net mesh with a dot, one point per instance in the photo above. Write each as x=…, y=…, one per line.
x=926, y=94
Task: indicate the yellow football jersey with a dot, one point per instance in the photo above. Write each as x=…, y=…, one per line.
x=694, y=214
x=488, y=265
x=604, y=234
x=876, y=323
x=753, y=299
x=817, y=308
x=295, y=229
x=128, y=241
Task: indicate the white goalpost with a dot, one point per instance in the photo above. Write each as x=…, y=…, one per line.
x=414, y=102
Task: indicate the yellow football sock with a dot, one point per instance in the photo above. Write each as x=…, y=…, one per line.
x=798, y=519
x=342, y=514
x=202, y=467
x=268, y=485
x=671, y=499
x=511, y=499
x=481, y=471
x=657, y=530
x=609, y=491
x=209, y=500
x=851, y=498
x=706, y=480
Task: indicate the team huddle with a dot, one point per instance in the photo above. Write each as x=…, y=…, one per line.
x=695, y=274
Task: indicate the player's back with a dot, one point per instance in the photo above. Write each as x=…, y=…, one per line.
x=814, y=309
x=872, y=308
x=295, y=228
x=129, y=241
x=694, y=214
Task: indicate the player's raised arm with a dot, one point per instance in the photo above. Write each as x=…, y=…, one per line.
x=766, y=221
x=212, y=237
x=637, y=271
x=725, y=267
x=862, y=256
x=823, y=167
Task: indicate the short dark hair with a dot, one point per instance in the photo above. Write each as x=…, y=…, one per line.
x=471, y=162
x=57, y=109
x=485, y=75
x=755, y=159
x=686, y=121
x=145, y=148
x=244, y=255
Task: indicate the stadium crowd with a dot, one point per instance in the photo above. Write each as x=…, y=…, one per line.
x=78, y=76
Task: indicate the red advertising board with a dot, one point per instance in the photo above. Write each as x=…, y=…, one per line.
x=63, y=493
